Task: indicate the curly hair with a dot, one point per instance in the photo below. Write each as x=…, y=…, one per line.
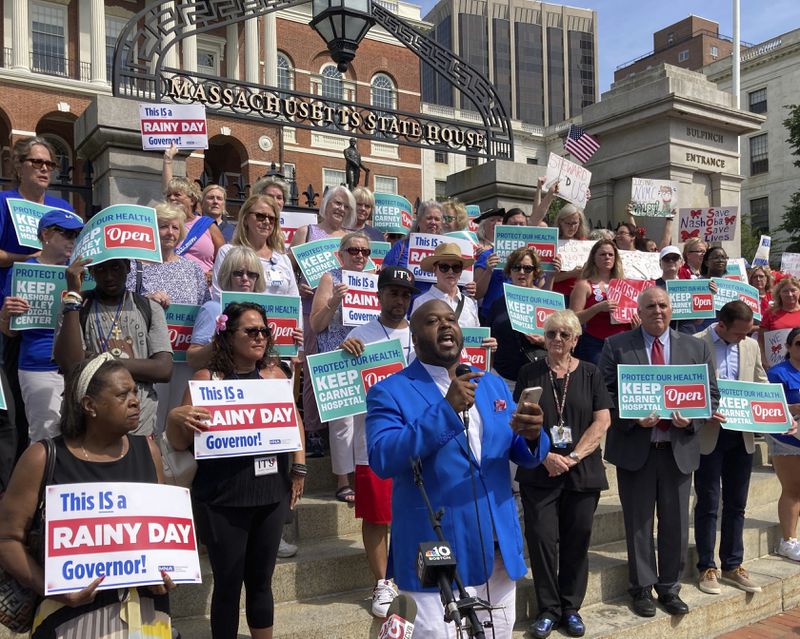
x=73, y=419
x=222, y=348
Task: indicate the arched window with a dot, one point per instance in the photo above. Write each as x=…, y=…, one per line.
x=285, y=72
x=332, y=83
x=382, y=92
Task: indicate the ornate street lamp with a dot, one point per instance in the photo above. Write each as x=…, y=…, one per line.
x=342, y=24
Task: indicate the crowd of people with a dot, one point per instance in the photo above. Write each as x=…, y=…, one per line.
x=102, y=386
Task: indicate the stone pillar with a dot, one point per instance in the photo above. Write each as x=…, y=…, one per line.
x=189, y=44
x=171, y=58
x=232, y=50
x=251, y=70
x=497, y=183
x=270, y=50
x=98, y=41
x=20, y=47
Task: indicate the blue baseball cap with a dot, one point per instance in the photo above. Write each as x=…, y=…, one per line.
x=63, y=219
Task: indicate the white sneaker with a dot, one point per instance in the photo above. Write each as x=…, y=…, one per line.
x=286, y=550
x=789, y=548
x=382, y=596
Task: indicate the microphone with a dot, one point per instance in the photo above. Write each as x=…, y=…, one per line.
x=464, y=369
x=400, y=618
x=436, y=566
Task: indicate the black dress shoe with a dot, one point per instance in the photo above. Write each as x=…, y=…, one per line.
x=673, y=604
x=574, y=625
x=643, y=604
x=542, y=627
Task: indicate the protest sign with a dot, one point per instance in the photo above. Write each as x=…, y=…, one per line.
x=644, y=390
x=360, y=303
x=761, y=258
x=248, y=417
x=736, y=269
x=180, y=324
x=421, y=245
x=544, y=240
x=753, y=407
x=790, y=264
x=528, y=308
x=120, y=232
x=473, y=211
x=640, y=265
x=653, y=198
x=183, y=125
x=283, y=317
x=317, y=257
x=464, y=235
x=625, y=293
x=710, y=225
x=25, y=216
x=341, y=380
x=125, y=532
x=473, y=352
x=775, y=345
x=41, y=285
x=691, y=299
x=729, y=290
x=379, y=251
x=573, y=180
x=574, y=253
x=392, y=213
x=293, y=220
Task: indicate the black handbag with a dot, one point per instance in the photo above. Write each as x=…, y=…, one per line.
x=17, y=603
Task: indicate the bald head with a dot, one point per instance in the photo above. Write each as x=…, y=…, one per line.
x=655, y=310
x=436, y=334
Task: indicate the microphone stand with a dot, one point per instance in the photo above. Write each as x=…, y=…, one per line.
x=466, y=605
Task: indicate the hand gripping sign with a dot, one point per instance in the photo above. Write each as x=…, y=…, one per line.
x=248, y=417
x=691, y=299
x=360, y=303
x=753, y=407
x=183, y=125
x=317, y=258
x=729, y=290
x=25, y=216
x=121, y=231
x=41, y=285
x=626, y=293
x=392, y=213
x=528, y=308
x=125, y=532
x=644, y=390
x=421, y=245
x=508, y=239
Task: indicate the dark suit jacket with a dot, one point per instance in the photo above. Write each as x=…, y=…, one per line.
x=627, y=443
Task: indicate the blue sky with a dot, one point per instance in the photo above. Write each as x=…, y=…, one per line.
x=625, y=27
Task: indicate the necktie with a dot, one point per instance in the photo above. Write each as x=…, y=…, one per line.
x=657, y=359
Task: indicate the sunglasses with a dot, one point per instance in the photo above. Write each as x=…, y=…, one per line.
x=39, y=164
x=254, y=332
x=70, y=234
x=263, y=217
x=446, y=268
x=354, y=250
x=552, y=335
x=251, y=275
x=525, y=268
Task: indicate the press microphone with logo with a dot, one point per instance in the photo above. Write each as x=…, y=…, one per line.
x=399, y=622
x=436, y=566
x=464, y=369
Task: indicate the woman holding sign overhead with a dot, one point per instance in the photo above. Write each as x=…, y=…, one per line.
x=326, y=322
x=240, y=507
x=40, y=382
x=101, y=409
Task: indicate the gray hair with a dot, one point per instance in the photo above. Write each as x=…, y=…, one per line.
x=350, y=219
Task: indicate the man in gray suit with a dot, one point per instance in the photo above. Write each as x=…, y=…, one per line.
x=655, y=458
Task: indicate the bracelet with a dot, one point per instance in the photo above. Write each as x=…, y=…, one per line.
x=301, y=470
x=72, y=297
x=69, y=307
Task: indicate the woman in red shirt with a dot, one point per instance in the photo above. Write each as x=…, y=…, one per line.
x=571, y=225
x=761, y=278
x=784, y=312
x=693, y=252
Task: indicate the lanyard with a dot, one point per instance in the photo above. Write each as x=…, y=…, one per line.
x=560, y=405
x=407, y=347
x=103, y=339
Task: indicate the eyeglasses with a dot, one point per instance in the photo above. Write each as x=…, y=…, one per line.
x=254, y=332
x=698, y=252
x=263, y=217
x=70, y=234
x=446, y=268
x=564, y=335
x=251, y=275
x=525, y=268
x=622, y=233
x=448, y=218
x=40, y=164
x=355, y=250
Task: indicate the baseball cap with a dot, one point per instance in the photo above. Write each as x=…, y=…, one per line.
x=669, y=250
x=396, y=276
x=490, y=213
x=63, y=219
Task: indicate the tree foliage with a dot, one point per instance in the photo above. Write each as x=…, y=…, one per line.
x=791, y=218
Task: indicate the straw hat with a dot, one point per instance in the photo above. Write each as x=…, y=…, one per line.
x=445, y=251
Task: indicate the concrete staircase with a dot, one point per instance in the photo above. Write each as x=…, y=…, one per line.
x=325, y=590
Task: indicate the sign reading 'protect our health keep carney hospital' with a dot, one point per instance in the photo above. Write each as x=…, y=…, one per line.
x=644, y=390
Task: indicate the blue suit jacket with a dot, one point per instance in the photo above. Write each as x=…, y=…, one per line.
x=407, y=417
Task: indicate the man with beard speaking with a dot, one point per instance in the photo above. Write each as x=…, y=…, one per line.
x=417, y=414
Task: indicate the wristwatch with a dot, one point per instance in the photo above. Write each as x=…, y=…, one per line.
x=575, y=456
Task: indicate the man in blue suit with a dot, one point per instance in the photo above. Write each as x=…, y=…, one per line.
x=416, y=413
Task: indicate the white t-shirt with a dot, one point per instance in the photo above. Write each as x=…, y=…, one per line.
x=469, y=311
x=374, y=331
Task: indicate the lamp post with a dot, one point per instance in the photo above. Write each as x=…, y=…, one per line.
x=342, y=24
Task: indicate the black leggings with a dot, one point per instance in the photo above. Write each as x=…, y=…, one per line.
x=242, y=547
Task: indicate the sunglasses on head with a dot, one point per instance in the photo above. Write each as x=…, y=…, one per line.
x=355, y=250
x=525, y=268
x=256, y=331
x=552, y=334
x=38, y=164
x=252, y=275
x=263, y=217
x=446, y=268
x=70, y=234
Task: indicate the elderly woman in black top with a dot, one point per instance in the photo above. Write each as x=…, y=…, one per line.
x=559, y=496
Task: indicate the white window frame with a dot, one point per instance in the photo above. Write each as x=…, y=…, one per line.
x=372, y=89
x=390, y=179
x=683, y=56
x=216, y=47
x=714, y=51
x=292, y=168
x=332, y=178
x=120, y=22
x=62, y=21
x=282, y=55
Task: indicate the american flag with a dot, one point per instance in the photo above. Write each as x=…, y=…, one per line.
x=580, y=144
